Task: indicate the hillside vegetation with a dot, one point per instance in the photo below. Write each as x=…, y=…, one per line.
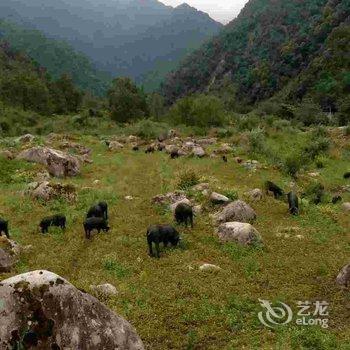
x=298, y=49
x=170, y=302
x=56, y=56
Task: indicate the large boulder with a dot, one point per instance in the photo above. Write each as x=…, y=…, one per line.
x=343, y=278
x=236, y=211
x=58, y=163
x=47, y=191
x=41, y=310
x=242, y=233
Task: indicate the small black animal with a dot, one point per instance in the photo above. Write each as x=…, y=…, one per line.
x=161, y=234
x=184, y=214
x=150, y=149
x=55, y=220
x=174, y=154
x=135, y=148
x=100, y=210
x=271, y=187
x=224, y=158
x=95, y=223
x=160, y=147
x=293, y=202
x=347, y=175
x=4, y=227
x=336, y=199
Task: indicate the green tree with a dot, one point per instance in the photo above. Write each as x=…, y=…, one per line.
x=126, y=101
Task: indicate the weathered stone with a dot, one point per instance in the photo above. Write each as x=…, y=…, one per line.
x=242, y=233
x=115, y=146
x=169, y=198
x=47, y=191
x=343, y=278
x=59, y=316
x=205, y=142
x=201, y=187
x=224, y=149
x=209, y=268
x=255, y=195
x=59, y=164
x=198, y=152
x=236, y=211
x=171, y=149
x=346, y=207
x=182, y=201
x=218, y=198
x=9, y=251
x=106, y=289
x=26, y=138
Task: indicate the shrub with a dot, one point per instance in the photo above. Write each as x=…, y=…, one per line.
x=231, y=194
x=257, y=141
x=292, y=164
x=201, y=111
x=315, y=192
x=187, y=179
x=148, y=129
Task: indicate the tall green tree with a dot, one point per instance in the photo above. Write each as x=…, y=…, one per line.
x=126, y=101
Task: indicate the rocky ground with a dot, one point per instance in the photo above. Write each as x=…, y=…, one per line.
x=245, y=246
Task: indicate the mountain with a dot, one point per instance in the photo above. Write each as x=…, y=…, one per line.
x=298, y=49
x=57, y=57
x=124, y=37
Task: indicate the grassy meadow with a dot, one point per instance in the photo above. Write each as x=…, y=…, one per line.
x=170, y=302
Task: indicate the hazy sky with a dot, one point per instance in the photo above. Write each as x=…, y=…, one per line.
x=221, y=10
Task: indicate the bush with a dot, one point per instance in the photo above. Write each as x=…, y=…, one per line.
x=148, y=129
x=248, y=122
x=187, y=179
x=201, y=111
x=292, y=164
x=231, y=194
x=257, y=141
x=310, y=113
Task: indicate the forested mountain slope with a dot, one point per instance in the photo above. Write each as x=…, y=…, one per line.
x=56, y=56
x=302, y=46
x=125, y=37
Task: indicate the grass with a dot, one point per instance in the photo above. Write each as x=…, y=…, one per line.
x=171, y=305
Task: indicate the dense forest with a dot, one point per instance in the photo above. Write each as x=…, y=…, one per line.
x=299, y=49
x=140, y=39
x=56, y=56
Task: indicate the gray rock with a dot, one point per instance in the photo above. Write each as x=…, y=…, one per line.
x=182, y=201
x=7, y=154
x=205, y=142
x=218, y=198
x=26, y=138
x=169, y=198
x=47, y=191
x=6, y=261
x=201, y=187
x=104, y=289
x=255, y=195
x=41, y=301
x=198, y=152
x=236, y=211
x=59, y=164
x=209, y=268
x=343, y=278
x=115, y=146
x=346, y=207
x=242, y=233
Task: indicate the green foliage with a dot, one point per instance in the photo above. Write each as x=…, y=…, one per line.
x=148, y=129
x=257, y=141
x=201, y=111
x=231, y=194
x=186, y=179
x=292, y=164
x=57, y=57
x=127, y=102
